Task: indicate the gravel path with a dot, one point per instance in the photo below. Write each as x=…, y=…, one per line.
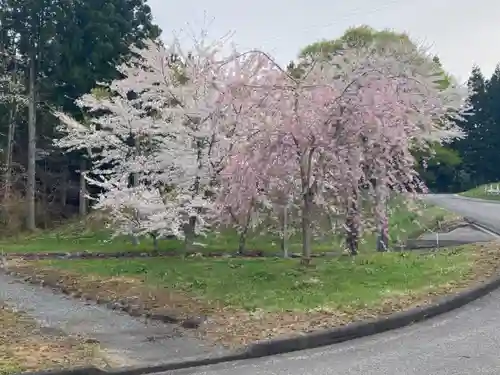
x=126, y=340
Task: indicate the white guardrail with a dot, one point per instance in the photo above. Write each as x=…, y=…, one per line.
x=493, y=190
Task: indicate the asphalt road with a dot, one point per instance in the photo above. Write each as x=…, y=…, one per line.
x=484, y=212
x=464, y=342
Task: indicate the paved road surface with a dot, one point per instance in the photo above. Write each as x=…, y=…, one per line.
x=464, y=342
x=484, y=212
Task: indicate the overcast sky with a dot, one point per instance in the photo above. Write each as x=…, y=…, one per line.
x=461, y=32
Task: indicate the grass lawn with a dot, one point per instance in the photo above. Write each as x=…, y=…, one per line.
x=480, y=192
x=251, y=299
x=25, y=347
x=92, y=236
x=278, y=284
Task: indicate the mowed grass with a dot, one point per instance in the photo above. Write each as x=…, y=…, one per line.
x=481, y=193
x=281, y=284
x=94, y=237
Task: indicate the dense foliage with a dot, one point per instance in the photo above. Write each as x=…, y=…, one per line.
x=54, y=51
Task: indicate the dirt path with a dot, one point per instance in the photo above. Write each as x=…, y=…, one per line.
x=125, y=340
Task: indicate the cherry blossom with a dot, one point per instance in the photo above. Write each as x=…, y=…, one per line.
x=186, y=140
x=343, y=132
x=160, y=137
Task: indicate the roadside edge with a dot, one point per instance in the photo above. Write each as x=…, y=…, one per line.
x=476, y=199
x=309, y=340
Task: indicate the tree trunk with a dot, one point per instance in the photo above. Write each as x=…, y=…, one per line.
x=190, y=227
x=44, y=198
x=137, y=146
x=306, y=227
x=243, y=234
x=83, y=188
x=64, y=185
x=135, y=240
x=8, y=168
x=381, y=214
x=11, y=128
x=155, y=241
x=382, y=240
x=189, y=232
x=11, y=132
x=242, y=240
x=31, y=178
x=352, y=236
x=383, y=230
x=307, y=205
x=284, y=232
x=134, y=181
x=352, y=225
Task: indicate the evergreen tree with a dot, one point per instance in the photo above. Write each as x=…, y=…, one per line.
x=72, y=44
x=491, y=138
x=474, y=149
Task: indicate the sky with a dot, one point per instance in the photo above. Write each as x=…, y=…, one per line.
x=460, y=32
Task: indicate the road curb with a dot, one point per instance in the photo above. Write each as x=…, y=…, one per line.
x=482, y=226
x=416, y=245
x=82, y=255
x=90, y=255
x=313, y=339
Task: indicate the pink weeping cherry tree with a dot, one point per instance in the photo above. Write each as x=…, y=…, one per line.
x=343, y=132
